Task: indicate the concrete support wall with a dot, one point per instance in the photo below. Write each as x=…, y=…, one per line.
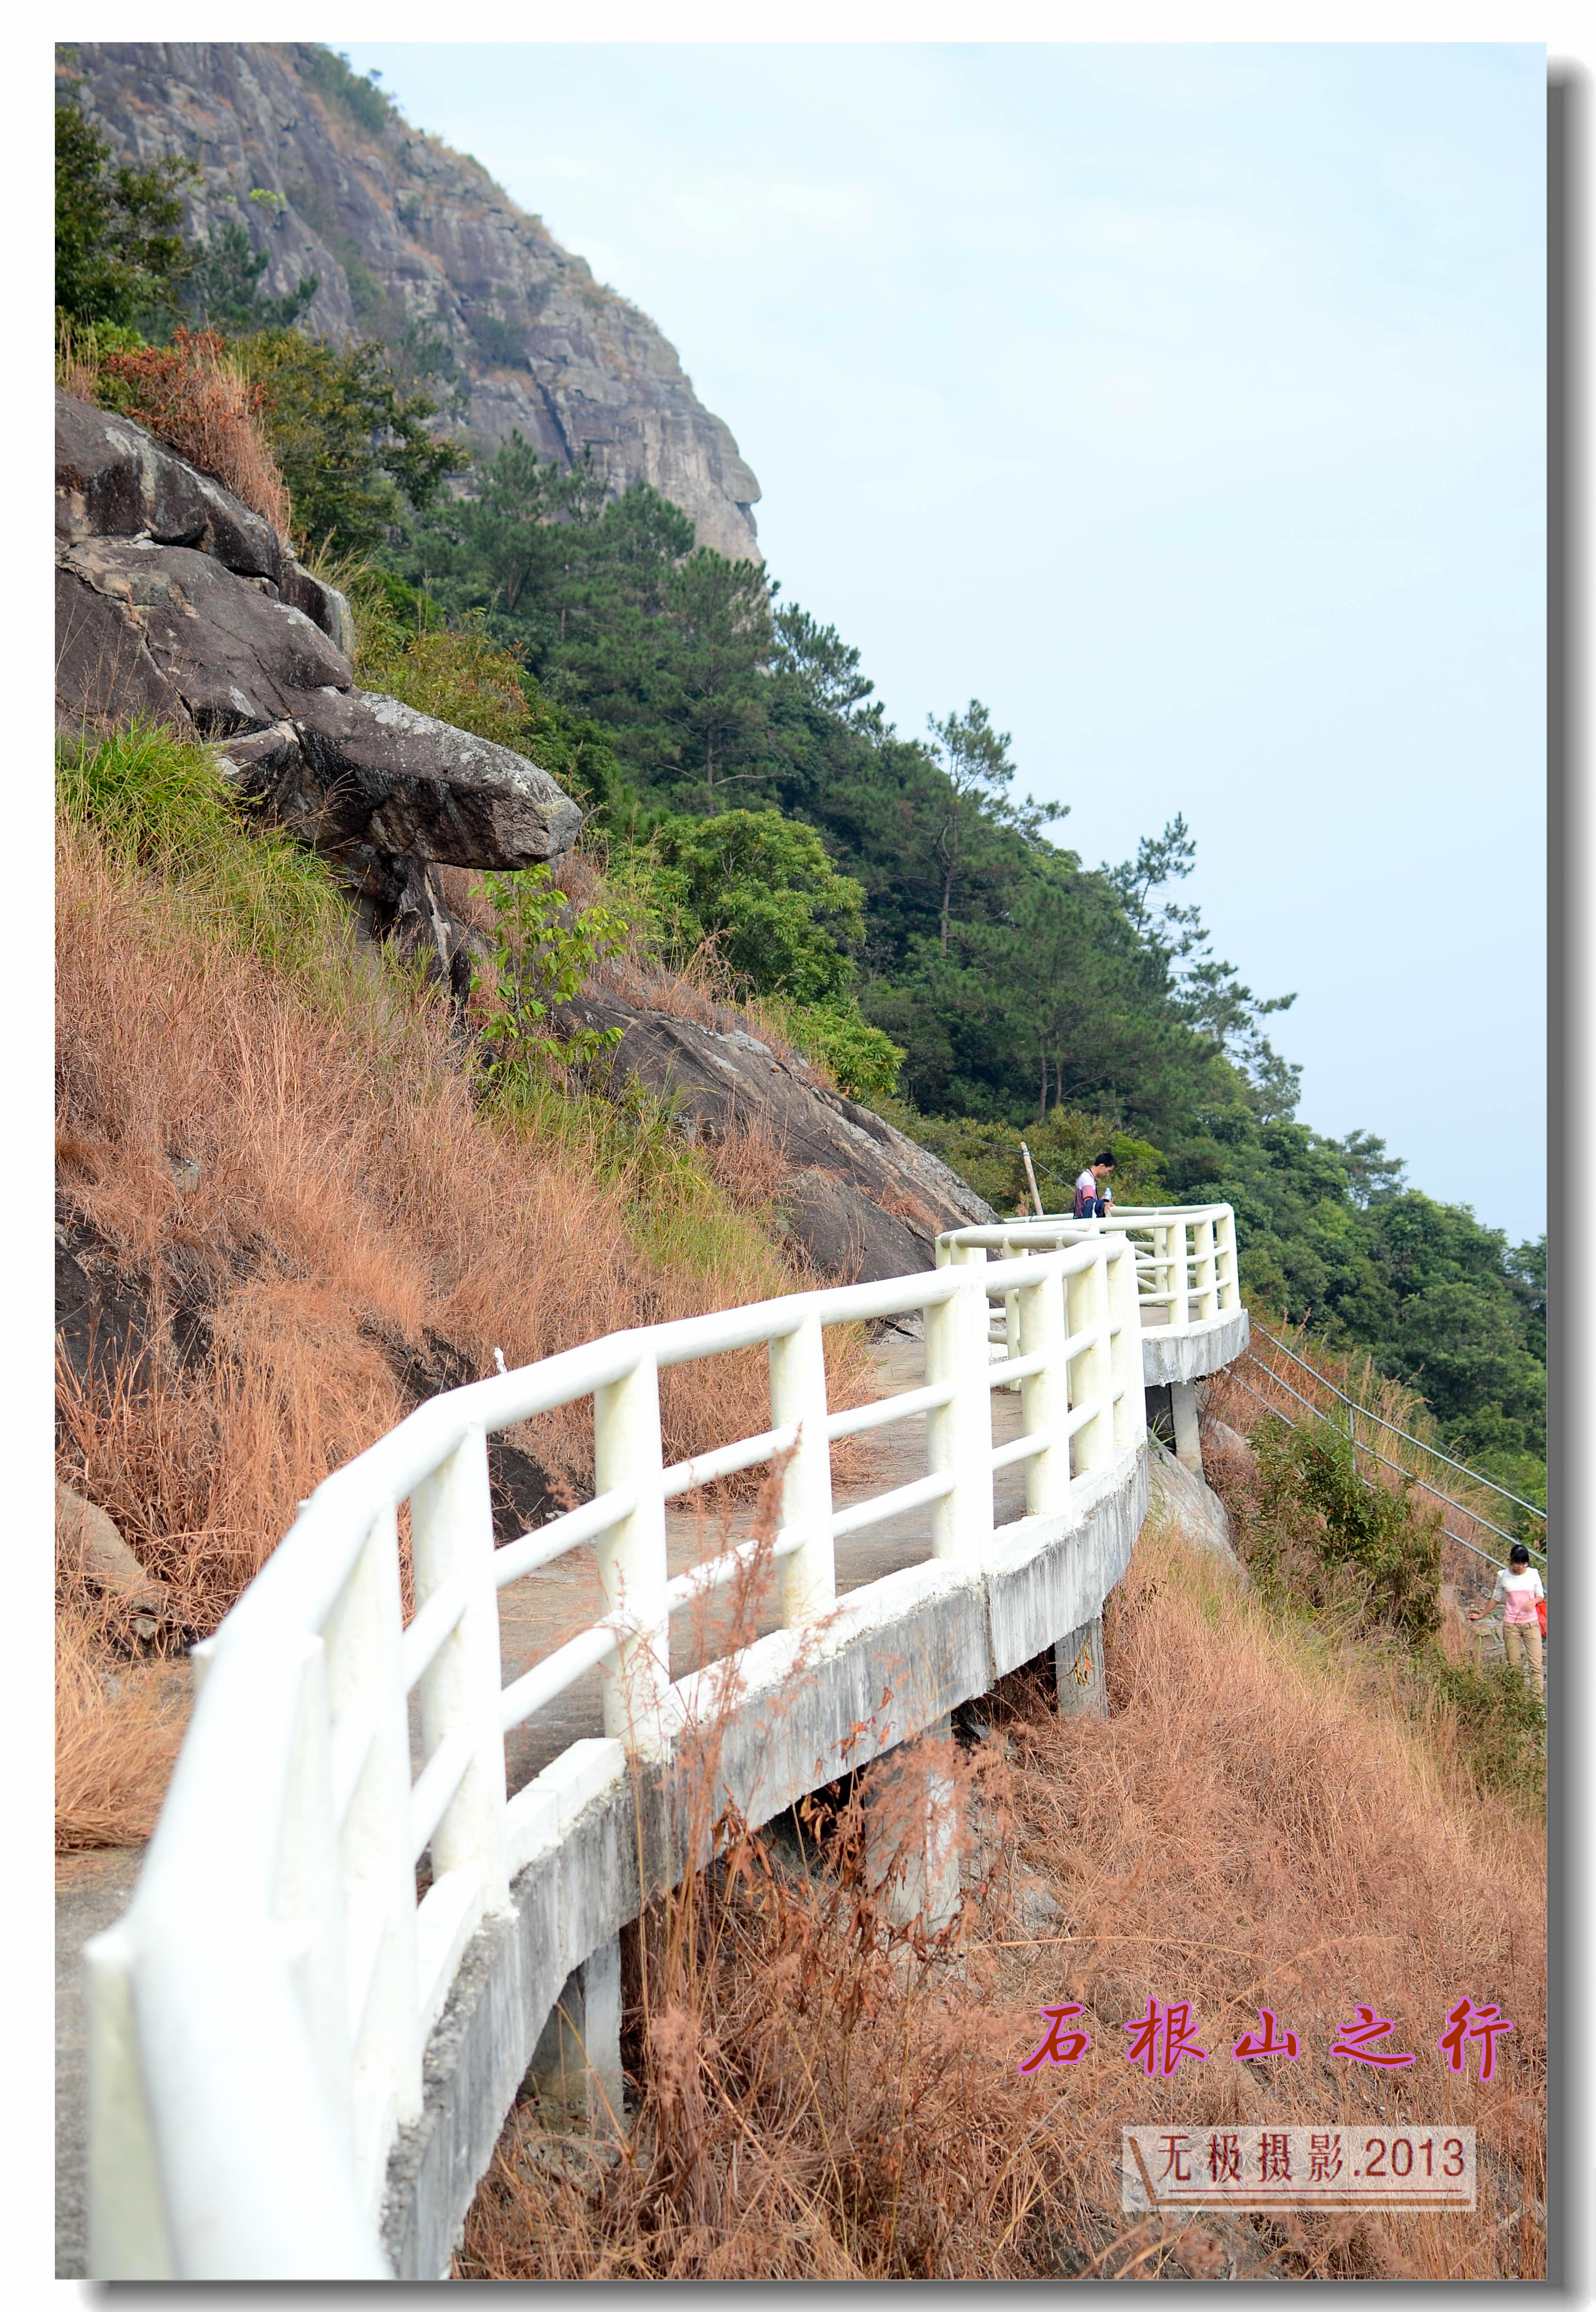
x=1078, y=1665
x=575, y=2066
x=1183, y=1405
x=914, y=1836
x=1195, y=1351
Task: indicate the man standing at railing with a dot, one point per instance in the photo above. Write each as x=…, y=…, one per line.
x=1093, y=1193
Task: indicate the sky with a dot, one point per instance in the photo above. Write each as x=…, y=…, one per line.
x=1186, y=405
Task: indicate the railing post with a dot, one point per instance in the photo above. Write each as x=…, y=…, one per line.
x=958, y=1434
x=308, y=1899
x=1091, y=1378
x=632, y=1555
x=798, y=1396
x=1010, y=1306
x=1175, y=1273
x=1045, y=1395
x=1130, y=1410
x=364, y=1674
x=128, y=2237
x=452, y=1542
x=1230, y=1295
x=1205, y=1275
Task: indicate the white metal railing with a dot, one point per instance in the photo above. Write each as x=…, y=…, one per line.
x=1185, y=1255
x=258, y=2015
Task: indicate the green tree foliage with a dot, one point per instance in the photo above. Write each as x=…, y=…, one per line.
x=223, y=290
x=761, y=893
x=1017, y=982
x=760, y=889
x=120, y=255
x=353, y=447
x=974, y=759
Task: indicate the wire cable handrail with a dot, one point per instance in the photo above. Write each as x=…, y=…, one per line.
x=1424, y=1447
x=1292, y=1425
x=1319, y=1414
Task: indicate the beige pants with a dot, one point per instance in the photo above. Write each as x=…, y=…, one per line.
x=1521, y=1638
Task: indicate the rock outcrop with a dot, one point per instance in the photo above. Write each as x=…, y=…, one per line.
x=405, y=235
x=89, y=1546
x=862, y=1200
x=176, y=602
x=1179, y=1503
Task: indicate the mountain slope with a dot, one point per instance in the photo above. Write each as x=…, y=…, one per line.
x=404, y=235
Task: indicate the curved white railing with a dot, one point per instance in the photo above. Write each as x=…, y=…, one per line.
x=1185, y=1256
x=260, y=2012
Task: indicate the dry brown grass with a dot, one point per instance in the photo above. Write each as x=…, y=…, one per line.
x=193, y=394
x=352, y=1198
x=118, y=1723
x=822, y=2099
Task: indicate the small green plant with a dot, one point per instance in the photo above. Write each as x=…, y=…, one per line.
x=544, y=950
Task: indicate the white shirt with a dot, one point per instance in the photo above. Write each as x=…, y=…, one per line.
x=1086, y=1186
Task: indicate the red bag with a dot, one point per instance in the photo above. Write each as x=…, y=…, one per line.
x=1540, y=1614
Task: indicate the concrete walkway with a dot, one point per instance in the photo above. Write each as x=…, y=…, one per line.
x=92, y=1892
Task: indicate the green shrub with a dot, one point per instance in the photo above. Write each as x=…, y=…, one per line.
x=1316, y=1528
x=332, y=77
x=864, y=1060
x=763, y=892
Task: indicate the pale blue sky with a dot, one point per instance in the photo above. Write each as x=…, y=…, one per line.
x=1185, y=404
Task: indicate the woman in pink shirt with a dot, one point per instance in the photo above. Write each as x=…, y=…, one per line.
x=1519, y=1587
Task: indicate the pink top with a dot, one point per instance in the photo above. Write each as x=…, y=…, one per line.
x=1518, y=1593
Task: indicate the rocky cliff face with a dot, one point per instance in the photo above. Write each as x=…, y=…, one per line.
x=402, y=232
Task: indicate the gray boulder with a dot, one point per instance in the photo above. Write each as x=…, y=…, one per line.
x=176, y=603
x=862, y=1200
x=1179, y=1503
x=89, y=1545
x=115, y=479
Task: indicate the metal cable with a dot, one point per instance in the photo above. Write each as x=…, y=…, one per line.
x=1419, y=1441
x=1289, y=1423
